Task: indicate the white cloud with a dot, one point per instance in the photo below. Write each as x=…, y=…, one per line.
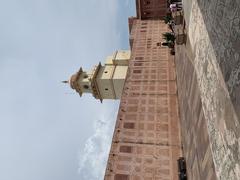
x=92, y=161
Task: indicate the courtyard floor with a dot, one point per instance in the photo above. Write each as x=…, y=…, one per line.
x=213, y=48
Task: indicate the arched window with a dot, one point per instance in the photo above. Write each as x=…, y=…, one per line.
x=85, y=86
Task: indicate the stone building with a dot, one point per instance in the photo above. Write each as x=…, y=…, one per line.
x=151, y=9
x=146, y=142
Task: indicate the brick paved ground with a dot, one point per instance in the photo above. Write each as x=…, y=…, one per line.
x=213, y=48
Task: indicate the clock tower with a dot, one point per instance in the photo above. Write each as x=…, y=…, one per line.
x=103, y=81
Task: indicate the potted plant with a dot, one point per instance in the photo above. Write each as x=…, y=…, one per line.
x=178, y=17
x=172, y=52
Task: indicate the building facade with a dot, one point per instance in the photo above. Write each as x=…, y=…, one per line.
x=151, y=9
x=146, y=142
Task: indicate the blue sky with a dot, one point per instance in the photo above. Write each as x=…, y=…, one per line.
x=46, y=131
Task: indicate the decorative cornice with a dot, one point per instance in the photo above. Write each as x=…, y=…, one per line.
x=94, y=85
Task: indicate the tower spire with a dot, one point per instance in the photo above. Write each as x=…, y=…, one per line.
x=103, y=82
x=65, y=82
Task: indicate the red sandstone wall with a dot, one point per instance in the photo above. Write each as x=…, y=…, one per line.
x=146, y=142
x=151, y=9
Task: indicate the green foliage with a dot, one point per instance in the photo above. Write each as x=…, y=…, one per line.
x=169, y=37
x=167, y=18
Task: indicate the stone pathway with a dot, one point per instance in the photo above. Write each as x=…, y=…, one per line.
x=214, y=38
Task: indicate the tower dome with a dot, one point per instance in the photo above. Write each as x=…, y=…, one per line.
x=103, y=82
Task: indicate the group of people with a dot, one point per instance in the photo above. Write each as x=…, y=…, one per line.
x=175, y=6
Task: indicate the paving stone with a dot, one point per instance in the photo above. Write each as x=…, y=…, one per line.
x=214, y=36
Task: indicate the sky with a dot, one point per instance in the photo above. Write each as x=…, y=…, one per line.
x=47, y=132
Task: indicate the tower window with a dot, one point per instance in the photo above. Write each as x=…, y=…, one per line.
x=106, y=89
x=105, y=72
x=85, y=86
x=85, y=76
